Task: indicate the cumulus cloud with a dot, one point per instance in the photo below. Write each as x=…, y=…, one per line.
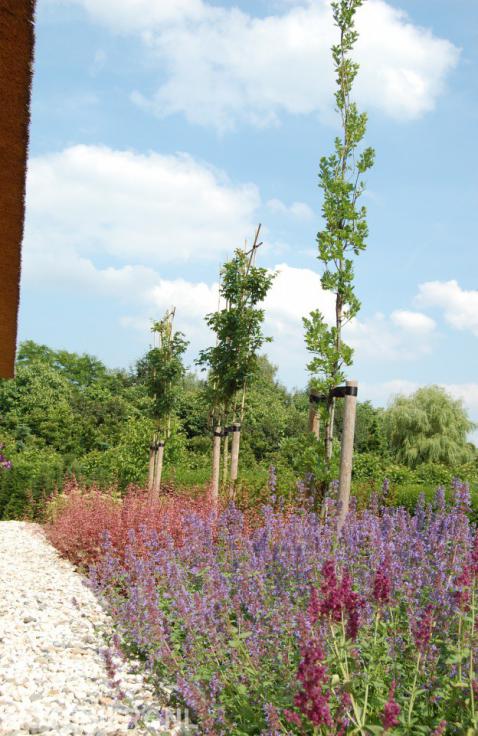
x=383, y=393
x=401, y=336
x=415, y=322
x=459, y=306
x=106, y=223
x=224, y=66
x=145, y=294
x=137, y=207
x=298, y=210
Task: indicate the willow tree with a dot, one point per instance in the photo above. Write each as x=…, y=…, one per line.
x=428, y=427
x=345, y=226
x=233, y=361
x=163, y=371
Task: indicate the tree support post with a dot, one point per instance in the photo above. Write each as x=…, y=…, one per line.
x=225, y=456
x=152, y=463
x=158, y=468
x=236, y=439
x=350, y=391
x=216, y=463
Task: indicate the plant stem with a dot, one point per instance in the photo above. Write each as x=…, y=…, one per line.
x=367, y=687
x=460, y=634
x=414, y=687
x=471, y=671
x=345, y=674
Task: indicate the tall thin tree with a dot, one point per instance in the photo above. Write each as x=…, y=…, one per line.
x=232, y=362
x=345, y=225
x=163, y=371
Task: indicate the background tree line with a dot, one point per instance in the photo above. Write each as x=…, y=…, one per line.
x=69, y=413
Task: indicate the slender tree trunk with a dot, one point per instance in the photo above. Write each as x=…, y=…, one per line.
x=314, y=416
x=158, y=469
x=216, y=463
x=152, y=463
x=236, y=439
x=225, y=458
x=329, y=432
x=346, y=458
x=329, y=429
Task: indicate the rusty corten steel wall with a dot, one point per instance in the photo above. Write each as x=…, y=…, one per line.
x=16, y=60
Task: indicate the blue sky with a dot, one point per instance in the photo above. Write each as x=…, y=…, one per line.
x=164, y=130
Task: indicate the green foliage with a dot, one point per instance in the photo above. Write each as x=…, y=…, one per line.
x=428, y=427
x=369, y=433
x=345, y=229
x=271, y=412
x=38, y=403
x=233, y=361
x=69, y=414
x=80, y=370
x=34, y=475
x=162, y=370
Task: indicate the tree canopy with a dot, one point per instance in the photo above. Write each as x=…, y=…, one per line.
x=428, y=427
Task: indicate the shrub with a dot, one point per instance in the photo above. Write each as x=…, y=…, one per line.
x=78, y=518
x=34, y=474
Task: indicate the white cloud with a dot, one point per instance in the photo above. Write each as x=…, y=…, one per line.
x=402, y=336
x=223, y=65
x=140, y=208
x=413, y=321
x=299, y=210
x=294, y=294
x=383, y=393
x=460, y=307
x=126, y=16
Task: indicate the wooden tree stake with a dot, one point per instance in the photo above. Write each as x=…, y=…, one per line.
x=216, y=462
x=158, y=469
x=152, y=463
x=236, y=439
x=346, y=457
x=225, y=457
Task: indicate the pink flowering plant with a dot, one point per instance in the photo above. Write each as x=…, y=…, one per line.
x=282, y=628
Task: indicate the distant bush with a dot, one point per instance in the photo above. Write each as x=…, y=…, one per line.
x=34, y=475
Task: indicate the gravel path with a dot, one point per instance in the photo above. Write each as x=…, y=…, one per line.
x=53, y=675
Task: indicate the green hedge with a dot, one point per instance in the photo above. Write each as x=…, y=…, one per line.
x=34, y=476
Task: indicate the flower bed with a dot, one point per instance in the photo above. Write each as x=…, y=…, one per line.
x=281, y=628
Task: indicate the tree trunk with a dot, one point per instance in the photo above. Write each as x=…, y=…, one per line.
x=236, y=439
x=314, y=416
x=216, y=463
x=16, y=63
x=225, y=457
x=329, y=429
x=158, y=469
x=346, y=458
x=152, y=463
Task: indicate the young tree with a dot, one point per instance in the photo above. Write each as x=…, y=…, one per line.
x=428, y=427
x=163, y=370
x=233, y=361
x=345, y=226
